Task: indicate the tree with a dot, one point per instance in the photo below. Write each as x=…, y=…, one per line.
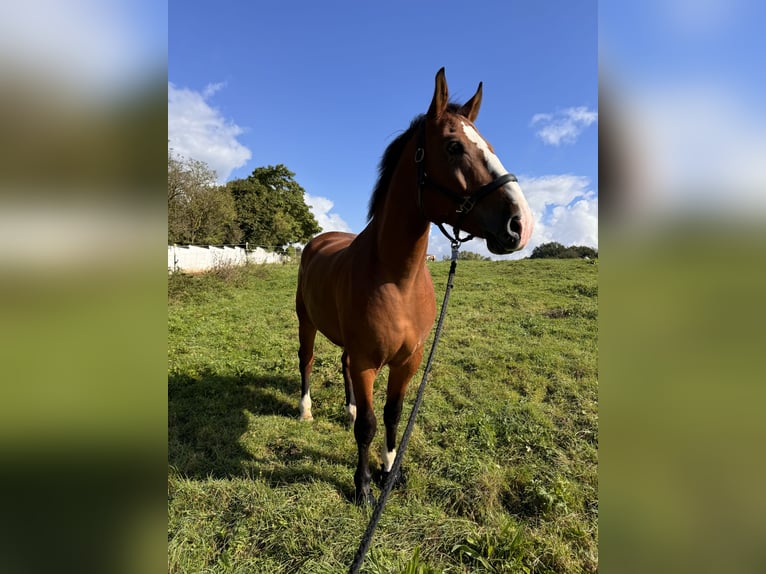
x=468, y=256
x=199, y=211
x=581, y=251
x=471, y=256
x=551, y=250
x=555, y=250
x=271, y=209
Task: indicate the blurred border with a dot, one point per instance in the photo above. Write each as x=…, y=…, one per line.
x=83, y=331
x=83, y=405
x=682, y=277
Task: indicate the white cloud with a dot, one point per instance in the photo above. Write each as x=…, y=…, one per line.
x=83, y=49
x=198, y=130
x=575, y=224
x=548, y=190
x=702, y=149
x=320, y=207
x=541, y=118
x=565, y=126
x=565, y=209
x=211, y=89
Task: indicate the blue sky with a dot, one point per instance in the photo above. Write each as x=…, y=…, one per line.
x=688, y=78
x=324, y=87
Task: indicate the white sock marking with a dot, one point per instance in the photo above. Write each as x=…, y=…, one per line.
x=305, y=407
x=351, y=412
x=387, y=456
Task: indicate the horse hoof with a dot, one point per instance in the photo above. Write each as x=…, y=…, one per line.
x=306, y=417
x=400, y=481
x=362, y=499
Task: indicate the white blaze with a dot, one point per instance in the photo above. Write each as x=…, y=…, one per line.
x=496, y=169
x=492, y=162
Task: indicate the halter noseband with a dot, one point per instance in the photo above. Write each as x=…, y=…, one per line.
x=465, y=202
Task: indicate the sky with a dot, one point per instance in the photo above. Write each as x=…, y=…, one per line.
x=688, y=83
x=323, y=88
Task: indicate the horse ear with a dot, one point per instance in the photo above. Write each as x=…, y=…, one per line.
x=471, y=108
x=441, y=96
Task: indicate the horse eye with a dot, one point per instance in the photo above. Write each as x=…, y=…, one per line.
x=455, y=148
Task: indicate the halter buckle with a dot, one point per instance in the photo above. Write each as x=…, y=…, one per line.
x=419, y=154
x=466, y=206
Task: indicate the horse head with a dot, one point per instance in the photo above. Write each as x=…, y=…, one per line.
x=462, y=183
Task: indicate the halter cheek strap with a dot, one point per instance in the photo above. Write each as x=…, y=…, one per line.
x=465, y=202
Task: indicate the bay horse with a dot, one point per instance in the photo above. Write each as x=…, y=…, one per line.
x=371, y=293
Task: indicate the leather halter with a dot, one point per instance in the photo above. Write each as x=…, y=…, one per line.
x=465, y=202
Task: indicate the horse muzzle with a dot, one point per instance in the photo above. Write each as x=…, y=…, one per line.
x=513, y=235
x=507, y=240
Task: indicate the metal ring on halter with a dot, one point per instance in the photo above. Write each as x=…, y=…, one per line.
x=466, y=206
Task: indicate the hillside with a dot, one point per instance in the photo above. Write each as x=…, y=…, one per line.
x=502, y=465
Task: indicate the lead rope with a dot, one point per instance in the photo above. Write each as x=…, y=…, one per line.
x=364, y=545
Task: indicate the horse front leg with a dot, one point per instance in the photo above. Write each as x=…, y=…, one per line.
x=365, y=427
x=398, y=379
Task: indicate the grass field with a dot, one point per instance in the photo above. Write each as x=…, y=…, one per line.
x=501, y=467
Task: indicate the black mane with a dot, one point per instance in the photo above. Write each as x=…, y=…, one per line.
x=391, y=158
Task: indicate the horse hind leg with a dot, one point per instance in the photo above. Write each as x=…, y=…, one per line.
x=350, y=400
x=306, y=335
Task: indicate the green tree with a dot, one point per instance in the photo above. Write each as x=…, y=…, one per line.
x=271, y=209
x=471, y=256
x=584, y=251
x=468, y=256
x=555, y=250
x=551, y=250
x=199, y=211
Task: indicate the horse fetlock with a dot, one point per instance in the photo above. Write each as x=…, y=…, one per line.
x=388, y=457
x=362, y=480
x=364, y=498
x=400, y=480
x=305, y=408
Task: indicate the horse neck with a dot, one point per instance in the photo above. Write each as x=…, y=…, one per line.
x=401, y=229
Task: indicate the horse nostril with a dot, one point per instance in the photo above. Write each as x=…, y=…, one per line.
x=514, y=225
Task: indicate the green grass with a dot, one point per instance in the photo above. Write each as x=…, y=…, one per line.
x=501, y=466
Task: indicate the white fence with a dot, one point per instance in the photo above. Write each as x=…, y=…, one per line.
x=195, y=258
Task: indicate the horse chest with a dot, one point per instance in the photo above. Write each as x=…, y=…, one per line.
x=400, y=322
